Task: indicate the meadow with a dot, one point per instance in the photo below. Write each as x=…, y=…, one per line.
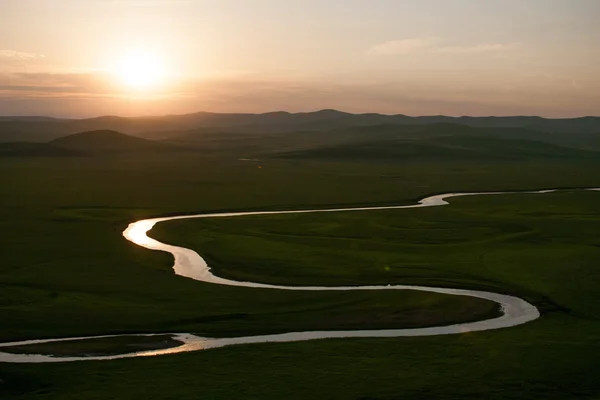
x=69, y=272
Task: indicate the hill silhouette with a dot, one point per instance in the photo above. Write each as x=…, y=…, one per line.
x=107, y=141
x=104, y=141
x=383, y=141
x=459, y=147
x=441, y=139
x=43, y=129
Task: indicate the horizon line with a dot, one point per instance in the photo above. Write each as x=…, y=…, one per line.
x=34, y=116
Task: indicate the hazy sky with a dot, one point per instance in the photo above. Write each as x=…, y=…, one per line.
x=454, y=57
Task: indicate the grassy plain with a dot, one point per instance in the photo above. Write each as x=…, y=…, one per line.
x=104, y=346
x=67, y=271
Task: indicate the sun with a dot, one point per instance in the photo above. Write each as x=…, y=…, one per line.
x=140, y=70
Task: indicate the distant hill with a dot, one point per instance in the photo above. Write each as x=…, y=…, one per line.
x=107, y=141
x=170, y=126
x=388, y=142
x=441, y=148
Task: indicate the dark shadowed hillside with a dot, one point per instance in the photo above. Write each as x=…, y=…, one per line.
x=442, y=148
x=382, y=141
x=162, y=127
x=387, y=141
x=107, y=141
x=304, y=140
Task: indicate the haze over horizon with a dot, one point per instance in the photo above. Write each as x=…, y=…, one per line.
x=85, y=58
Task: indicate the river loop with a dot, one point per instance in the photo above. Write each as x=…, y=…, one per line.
x=188, y=263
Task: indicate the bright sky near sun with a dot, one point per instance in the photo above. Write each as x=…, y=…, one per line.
x=81, y=58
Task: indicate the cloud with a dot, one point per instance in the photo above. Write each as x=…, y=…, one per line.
x=18, y=55
x=145, y=3
x=402, y=46
x=480, y=48
x=72, y=85
x=409, y=45
x=51, y=84
x=460, y=93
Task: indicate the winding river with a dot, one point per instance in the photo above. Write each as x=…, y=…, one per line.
x=188, y=263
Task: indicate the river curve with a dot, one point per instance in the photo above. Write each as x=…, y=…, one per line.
x=188, y=263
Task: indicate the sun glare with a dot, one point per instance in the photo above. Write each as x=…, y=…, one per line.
x=140, y=70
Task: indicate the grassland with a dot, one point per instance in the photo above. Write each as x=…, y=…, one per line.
x=517, y=244
x=68, y=260
x=68, y=272
x=97, y=347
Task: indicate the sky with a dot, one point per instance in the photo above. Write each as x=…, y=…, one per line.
x=83, y=58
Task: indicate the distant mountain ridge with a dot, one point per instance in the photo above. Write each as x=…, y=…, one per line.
x=41, y=129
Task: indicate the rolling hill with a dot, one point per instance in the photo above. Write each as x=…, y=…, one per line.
x=374, y=142
x=439, y=140
x=102, y=142
x=43, y=129
x=441, y=148
x=108, y=141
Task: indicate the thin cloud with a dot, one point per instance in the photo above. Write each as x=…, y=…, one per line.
x=402, y=46
x=84, y=95
x=480, y=48
x=18, y=55
x=32, y=84
x=145, y=3
x=410, y=45
x=25, y=85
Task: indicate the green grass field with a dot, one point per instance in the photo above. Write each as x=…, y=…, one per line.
x=97, y=347
x=68, y=272
x=518, y=243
